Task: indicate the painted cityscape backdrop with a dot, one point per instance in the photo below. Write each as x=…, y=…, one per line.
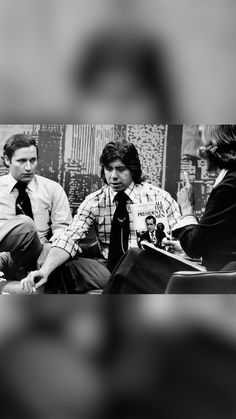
x=69, y=154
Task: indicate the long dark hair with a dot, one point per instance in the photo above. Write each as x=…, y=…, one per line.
x=127, y=153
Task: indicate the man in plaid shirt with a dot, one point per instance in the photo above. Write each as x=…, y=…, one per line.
x=121, y=172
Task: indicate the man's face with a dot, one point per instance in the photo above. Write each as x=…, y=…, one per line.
x=150, y=225
x=23, y=163
x=118, y=176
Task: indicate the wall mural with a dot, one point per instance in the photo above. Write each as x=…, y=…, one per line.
x=202, y=180
x=69, y=154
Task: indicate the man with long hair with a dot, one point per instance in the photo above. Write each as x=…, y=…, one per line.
x=212, y=238
x=108, y=211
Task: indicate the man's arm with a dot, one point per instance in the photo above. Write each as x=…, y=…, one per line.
x=56, y=257
x=66, y=246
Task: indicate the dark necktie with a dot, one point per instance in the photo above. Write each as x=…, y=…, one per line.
x=23, y=204
x=153, y=238
x=119, y=231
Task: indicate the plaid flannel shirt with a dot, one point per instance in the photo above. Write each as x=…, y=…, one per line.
x=98, y=209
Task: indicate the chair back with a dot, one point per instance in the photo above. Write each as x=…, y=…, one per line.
x=186, y=282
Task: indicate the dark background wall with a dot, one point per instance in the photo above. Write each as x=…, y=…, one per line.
x=69, y=154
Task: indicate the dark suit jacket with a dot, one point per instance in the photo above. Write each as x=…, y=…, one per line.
x=214, y=238
x=159, y=236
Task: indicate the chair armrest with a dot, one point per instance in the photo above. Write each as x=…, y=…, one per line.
x=209, y=282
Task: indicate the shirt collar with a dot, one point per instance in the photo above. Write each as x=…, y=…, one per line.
x=129, y=192
x=220, y=177
x=32, y=184
x=152, y=231
x=12, y=183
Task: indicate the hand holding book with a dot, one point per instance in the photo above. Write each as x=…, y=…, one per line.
x=173, y=245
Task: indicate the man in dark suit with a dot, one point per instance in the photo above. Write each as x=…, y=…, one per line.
x=155, y=233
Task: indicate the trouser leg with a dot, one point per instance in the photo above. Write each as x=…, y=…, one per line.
x=4, y=261
x=78, y=276
x=141, y=272
x=18, y=237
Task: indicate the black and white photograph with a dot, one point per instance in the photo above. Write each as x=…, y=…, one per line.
x=117, y=209
x=76, y=200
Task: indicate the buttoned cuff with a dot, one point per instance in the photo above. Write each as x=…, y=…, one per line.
x=185, y=221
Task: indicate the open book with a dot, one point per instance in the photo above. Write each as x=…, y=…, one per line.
x=180, y=263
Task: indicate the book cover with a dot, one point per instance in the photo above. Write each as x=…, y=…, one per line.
x=150, y=221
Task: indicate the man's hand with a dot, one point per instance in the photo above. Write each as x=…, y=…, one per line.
x=28, y=283
x=174, y=245
x=186, y=197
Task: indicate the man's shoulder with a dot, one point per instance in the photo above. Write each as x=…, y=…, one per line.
x=97, y=195
x=4, y=179
x=229, y=180
x=5, y=182
x=42, y=180
x=146, y=187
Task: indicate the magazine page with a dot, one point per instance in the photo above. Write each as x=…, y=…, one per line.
x=187, y=264
x=150, y=222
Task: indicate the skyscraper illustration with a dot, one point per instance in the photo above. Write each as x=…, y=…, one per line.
x=51, y=144
x=200, y=178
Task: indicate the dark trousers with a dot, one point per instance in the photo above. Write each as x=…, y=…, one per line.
x=19, y=245
x=78, y=276
x=142, y=272
x=20, y=248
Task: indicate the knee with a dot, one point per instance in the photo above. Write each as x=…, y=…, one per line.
x=4, y=260
x=12, y=287
x=26, y=223
x=130, y=257
x=133, y=252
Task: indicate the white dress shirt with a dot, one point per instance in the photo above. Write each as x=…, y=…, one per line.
x=49, y=203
